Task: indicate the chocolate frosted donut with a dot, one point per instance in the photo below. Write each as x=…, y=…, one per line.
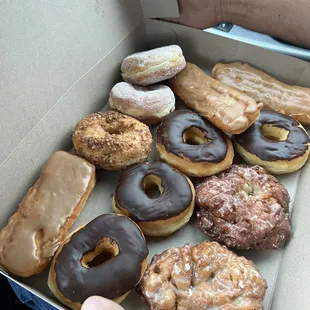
x=156, y=216
x=73, y=278
x=244, y=208
x=193, y=145
x=276, y=142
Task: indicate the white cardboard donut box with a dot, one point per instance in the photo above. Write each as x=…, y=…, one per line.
x=59, y=60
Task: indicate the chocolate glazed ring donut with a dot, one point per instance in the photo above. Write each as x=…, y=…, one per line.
x=276, y=142
x=193, y=145
x=156, y=216
x=75, y=274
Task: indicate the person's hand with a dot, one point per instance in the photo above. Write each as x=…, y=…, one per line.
x=199, y=13
x=100, y=303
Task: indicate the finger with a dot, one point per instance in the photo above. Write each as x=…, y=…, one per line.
x=100, y=303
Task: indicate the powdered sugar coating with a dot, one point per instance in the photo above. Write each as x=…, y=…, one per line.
x=153, y=66
x=205, y=276
x=245, y=208
x=147, y=104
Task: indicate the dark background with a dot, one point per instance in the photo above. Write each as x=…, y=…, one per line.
x=8, y=297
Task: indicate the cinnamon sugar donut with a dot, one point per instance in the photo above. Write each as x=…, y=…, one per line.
x=112, y=140
x=205, y=276
x=149, y=105
x=153, y=66
x=245, y=208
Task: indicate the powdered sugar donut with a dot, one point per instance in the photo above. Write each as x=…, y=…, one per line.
x=153, y=66
x=149, y=104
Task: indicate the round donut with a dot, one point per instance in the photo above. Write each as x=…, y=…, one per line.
x=156, y=216
x=149, y=105
x=276, y=142
x=112, y=140
x=193, y=145
x=75, y=274
x=204, y=276
x=153, y=66
x=244, y=208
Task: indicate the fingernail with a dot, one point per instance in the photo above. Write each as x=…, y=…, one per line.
x=99, y=303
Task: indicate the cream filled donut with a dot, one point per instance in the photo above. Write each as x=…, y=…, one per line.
x=149, y=105
x=153, y=66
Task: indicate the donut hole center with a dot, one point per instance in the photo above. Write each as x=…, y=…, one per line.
x=194, y=136
x=152, y=186
x=271, y=132
x=106, y=248
x=113, y=130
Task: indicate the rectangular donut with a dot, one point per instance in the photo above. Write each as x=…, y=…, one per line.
x=46, y=213
x=225, y=107
x=286, y=99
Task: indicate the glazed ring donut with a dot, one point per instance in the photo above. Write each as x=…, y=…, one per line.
x=276, y=142
x=156, y=216
x=193, y=145
x=153, y=66
x=75, y=274
x=149, y=105
x=244, y=208
x=112, y=140
x=204, y=276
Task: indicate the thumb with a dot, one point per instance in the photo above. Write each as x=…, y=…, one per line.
x=100, y=303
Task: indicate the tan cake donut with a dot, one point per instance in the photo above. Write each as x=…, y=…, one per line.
x=149, y=105
x=153, y=66
x=112, y=140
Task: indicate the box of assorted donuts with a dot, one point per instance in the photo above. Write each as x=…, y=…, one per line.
x=165, y=177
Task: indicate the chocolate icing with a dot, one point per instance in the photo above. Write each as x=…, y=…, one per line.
x=111, y=279
x=170, y=134
x=130, y=195
x=253, y=140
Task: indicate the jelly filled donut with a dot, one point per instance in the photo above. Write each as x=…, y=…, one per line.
x=204, y=276
x=112, y=140
x=156, y=216
x=193, y=145
x=74, y=273
x=153, y=66
x=276, y=142
x=245, y=208
x=149, y=105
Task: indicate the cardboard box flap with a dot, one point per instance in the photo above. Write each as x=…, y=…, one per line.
x=160, y=8
x=46, y=48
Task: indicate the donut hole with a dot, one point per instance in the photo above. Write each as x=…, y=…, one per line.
x=194, y=136
x=105, y=250
x=113, y=130
x=152, y=186
x=271, y=132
